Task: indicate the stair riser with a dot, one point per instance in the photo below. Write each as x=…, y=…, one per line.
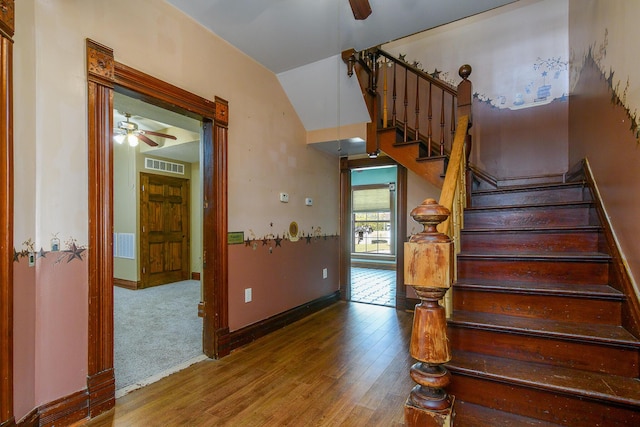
x=532, y=242
x=571, y=354
x=524, y=270
x=534, y=403
x=571, y=194
x=549, y=216
x=598, y=311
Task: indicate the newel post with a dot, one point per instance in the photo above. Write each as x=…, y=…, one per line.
x=428, y=268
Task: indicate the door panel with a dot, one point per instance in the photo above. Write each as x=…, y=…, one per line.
x=164, y=229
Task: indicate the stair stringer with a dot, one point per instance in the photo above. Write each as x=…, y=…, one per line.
x=431, y=169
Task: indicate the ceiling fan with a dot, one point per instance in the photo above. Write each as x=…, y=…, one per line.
x=129, y=131
x=361, y=9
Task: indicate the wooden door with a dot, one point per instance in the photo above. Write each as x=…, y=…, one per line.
x=164, y=229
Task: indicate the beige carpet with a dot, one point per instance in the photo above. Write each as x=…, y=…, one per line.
x=155, y=330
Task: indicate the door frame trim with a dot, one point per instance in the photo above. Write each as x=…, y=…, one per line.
x=104, y=74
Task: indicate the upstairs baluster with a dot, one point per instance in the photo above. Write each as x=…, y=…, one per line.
x=384, y=94
x=417, y=129
x=430, y=120
x=442, y=121
x=394, y=115
x=406, y=105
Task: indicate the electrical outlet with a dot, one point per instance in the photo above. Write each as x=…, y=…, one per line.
x=325, y=273
x=247, y=295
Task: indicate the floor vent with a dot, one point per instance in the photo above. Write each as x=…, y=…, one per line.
x=163, y=165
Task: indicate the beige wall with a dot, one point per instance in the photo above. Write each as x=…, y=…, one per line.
x=267, y=151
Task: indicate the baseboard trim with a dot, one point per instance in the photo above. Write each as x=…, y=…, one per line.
x=195, y=276
x=32, y=419
x=622, y=278
x=127, y=284
x=66, y=410
x=252, y=332
x=102, y=391
x=9, y=423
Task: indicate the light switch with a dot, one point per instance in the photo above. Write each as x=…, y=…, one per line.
x=284, y=197
x=308, y=201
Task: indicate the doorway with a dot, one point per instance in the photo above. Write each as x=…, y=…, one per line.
x=373, y=206
x=373, y=224
x=103, y=74
x=157, y=243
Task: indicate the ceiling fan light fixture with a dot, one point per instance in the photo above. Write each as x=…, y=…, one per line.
x=132, y=140
x=119, y=138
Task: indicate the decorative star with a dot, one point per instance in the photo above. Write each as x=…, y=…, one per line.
x=436, y=73
x=16, y=255
x=278, y=240
x=42, y=253
x=265, y=241
x=544, y=74
x=402, y=57
x=308, y=238
x=247, y=242
x=74, y=252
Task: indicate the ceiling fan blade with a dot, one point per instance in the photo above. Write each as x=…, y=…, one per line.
x=163, y=135
x=147, y=140
x=361, y=9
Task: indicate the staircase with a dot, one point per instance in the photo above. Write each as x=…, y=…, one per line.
x=536, y=331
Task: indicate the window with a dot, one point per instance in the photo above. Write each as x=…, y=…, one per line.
x=372, y=220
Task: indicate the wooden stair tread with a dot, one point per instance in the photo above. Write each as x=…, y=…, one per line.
x=470, y=415
x=539, y=288
x=574, y=331
x=541, y=229
x=537, y=187
x=529, y=206
x=544, y=256
x=430, y=158
x=590, y=385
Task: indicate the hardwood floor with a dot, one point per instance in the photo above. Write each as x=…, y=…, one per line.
x=347, y=365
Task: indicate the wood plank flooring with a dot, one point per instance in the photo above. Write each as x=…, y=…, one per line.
x=347, y=365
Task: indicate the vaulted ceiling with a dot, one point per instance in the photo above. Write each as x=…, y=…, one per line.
x=301, y=42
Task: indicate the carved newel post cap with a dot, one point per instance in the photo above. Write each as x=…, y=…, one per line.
x=465, y=71
x=429, y=213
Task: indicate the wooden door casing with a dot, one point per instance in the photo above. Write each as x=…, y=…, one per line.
x=164, y=229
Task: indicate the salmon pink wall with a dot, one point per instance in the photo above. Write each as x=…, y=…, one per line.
x=282, y=276
x=603, y=111
x=24, y=364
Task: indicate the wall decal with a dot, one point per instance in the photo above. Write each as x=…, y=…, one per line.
x=72, y=251
x=596, y=54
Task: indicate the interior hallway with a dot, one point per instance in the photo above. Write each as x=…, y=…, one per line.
x=345, y=365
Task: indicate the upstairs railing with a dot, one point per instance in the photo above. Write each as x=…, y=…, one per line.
x=422, y=107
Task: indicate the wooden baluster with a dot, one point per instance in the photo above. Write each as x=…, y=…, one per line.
x=428, y=268
x=442, y=121
x=384, y=94
x=394, y=115
x=417, y=130
x=406, y=105
x=430, y=120
x=453, y=119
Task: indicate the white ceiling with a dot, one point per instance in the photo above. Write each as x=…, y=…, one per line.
x=287, y=34
x=301, y=41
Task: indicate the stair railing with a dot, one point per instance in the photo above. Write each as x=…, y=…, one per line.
x=421, y=106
